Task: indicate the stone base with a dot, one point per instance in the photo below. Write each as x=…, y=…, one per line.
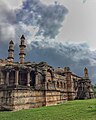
x=18, y=98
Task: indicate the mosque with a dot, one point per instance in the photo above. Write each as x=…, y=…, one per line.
x=25, y=85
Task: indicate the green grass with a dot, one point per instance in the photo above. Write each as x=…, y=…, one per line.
x=71, y=110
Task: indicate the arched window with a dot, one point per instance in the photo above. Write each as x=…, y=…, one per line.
x=32, y=81
x=57, y=84
x=64, y=85
x=61, y=84
x=12, y=77
x=22, y=77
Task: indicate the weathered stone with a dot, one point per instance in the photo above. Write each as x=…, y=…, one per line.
x=27, y=85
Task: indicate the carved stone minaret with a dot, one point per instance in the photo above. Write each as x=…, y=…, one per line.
x=86, y=73
x=22, y=48
x=11, y=52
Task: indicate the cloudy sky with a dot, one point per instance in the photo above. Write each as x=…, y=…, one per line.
x=60, y=32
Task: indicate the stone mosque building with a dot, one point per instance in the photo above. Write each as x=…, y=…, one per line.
x=25, y=85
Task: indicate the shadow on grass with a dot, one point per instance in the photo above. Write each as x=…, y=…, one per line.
x=92, y=109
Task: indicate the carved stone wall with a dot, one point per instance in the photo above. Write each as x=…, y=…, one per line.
x=25, y=98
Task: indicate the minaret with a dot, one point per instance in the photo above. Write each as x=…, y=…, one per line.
x=11, y=52
x=22, y=48
x=86, y=73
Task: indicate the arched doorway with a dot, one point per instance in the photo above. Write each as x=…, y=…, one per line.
x=11, y=77
x=32, y=78
x=23, y=77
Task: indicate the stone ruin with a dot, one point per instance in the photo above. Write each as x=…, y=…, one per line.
x=25, y=85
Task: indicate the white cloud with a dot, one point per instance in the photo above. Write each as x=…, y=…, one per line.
x=29, y=29
x=47, y=18
x=47, y=2
x=13, y=4
x=80, y=25
x=7, y=22
x=7, y=31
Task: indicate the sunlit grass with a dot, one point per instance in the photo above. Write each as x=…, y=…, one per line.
x=71, y=110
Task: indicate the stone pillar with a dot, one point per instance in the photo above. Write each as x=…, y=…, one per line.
x=22, y=50
x=36, y=78
x=7, y=78
x=44, y=71
x=28, y=78
x=11, y=52
x=86, y=75
x=55, y=85
x=16, y=77
x=45, y=82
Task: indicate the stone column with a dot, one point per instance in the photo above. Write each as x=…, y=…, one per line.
x=16, y=77
x=7, y=78
x=28, y=78
x=22, y=48
x=55, y=84
x=45, y=82
x=11, y=52
x=36, y=78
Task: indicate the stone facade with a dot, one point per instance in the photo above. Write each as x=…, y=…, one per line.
x=25, y=85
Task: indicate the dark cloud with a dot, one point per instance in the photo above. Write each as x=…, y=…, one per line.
x=48, y=18
x=33, y=13
x=76, y=56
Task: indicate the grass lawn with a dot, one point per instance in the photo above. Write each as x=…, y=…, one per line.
x=71, y=110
